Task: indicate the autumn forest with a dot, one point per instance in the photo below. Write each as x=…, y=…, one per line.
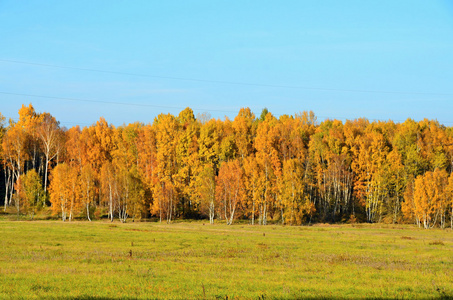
x=257, y=169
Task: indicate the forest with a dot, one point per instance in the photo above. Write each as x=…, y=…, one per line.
x=288, y=170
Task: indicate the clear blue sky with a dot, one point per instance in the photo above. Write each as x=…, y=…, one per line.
x=342, y=59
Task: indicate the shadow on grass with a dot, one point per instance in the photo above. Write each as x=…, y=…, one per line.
x=85, y=297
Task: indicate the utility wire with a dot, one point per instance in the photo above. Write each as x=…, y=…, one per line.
x=197, y=80
x=226, y=82
x=60, y=122
x=172, y=107
x=115, y=103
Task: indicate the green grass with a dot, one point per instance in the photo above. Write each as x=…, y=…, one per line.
x=101, y=260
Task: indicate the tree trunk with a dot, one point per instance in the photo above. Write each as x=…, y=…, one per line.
x=110, y=203
x=88, y=212
x=211, y=212
x=45, y=173
x=7, y=186
x=88, y=200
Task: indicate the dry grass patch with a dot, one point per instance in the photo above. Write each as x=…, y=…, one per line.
x=437, y=243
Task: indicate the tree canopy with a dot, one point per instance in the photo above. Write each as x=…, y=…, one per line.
x=289, y=170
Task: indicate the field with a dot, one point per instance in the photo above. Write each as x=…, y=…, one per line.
x=192, y=260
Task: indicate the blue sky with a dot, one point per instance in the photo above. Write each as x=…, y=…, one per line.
x=342, y=59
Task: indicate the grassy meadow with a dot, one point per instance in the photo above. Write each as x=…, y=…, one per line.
x=192, y=260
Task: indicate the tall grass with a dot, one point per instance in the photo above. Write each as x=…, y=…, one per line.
x=100, y=260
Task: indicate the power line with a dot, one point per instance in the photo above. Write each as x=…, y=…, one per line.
x=226, y=82
x=169, y=107
x=60, y=122
x=115, y=103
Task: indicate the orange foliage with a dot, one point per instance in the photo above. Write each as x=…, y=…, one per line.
x=288, y=170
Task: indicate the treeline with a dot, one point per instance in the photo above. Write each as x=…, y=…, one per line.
x=290, y=170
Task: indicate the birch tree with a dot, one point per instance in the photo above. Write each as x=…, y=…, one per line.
x=230, y=190
x=51, y=137
x=61, y=190
x=15, y=155
x=267, y=157
x=205, y=187
x=31, y=192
